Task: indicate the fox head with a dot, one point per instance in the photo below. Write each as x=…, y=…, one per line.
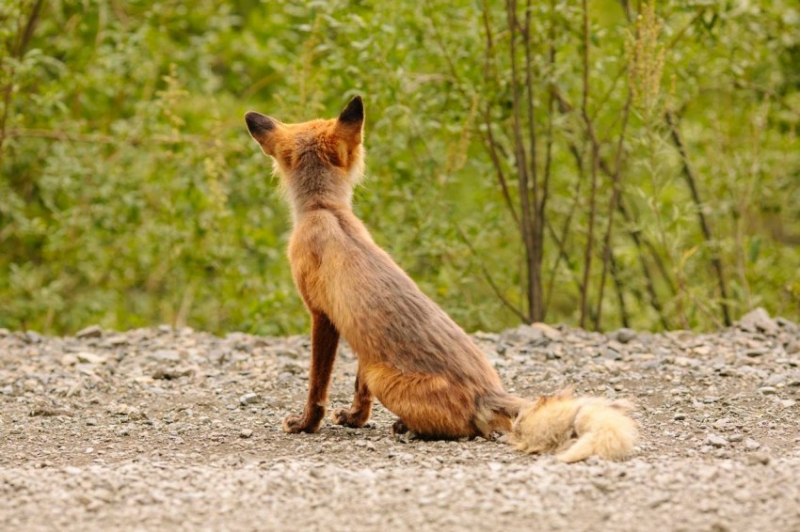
x=318, y=161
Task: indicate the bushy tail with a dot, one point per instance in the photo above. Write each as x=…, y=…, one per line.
x=575, y=428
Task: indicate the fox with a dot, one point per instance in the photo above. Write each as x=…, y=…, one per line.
x=411, y=356
x=575, y=428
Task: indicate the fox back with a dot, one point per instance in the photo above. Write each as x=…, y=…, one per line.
x=412, y=356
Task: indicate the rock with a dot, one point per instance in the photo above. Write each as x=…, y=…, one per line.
x=90, y=358
x=758, y=320
x=716, y=441
x=754, y=459
x=625, y=335
x=169, y=374
x=33, y=337
x=679, y=416
x=91, y=422
x=92, y=331
x=551, y=333
x=522, y=334
x=4, y=333
x=768, y=390
x=165, y=355
x=751, y=444
x=69, y=359
x=248, y=399
x=246, y=433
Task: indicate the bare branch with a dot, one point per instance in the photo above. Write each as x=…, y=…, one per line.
x=691, y=180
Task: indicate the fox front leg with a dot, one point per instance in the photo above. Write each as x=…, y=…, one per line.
x=324, y=342
x=359, y=412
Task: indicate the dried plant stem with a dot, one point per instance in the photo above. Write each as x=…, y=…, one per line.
x=612, y=208
x=520, y=160
x=594, y=164
x=691, y=180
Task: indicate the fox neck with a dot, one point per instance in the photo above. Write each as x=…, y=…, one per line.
x=314, y=188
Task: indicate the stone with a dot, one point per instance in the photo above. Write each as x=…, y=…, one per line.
x=751, y=445
x=248, y=399
x=551, y=333
x=625, y=335
x=246, y=433
x=716, y=441
x=758, y=320
x=165, y=355
x=90, y=358
x=759, y=458
x=522, y=334
x=768, y=390
x=92, y=331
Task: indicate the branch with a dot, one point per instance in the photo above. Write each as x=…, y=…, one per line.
x=612, y=207
x=488, y=277
x=691, y=180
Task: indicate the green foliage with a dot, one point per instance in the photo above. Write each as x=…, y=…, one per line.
x=131, y=194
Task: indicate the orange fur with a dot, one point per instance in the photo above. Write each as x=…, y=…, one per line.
x=411, y=356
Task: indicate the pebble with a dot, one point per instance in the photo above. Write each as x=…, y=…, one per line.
x=92, y=331
x=768, y=390
x=625, y=335
x=716, y=441
x=248, y=398
x=758, y=320
x=91, y=422
x=90, y=358
x=246, y=433
x=751, y=444
x=548, y=331
x=757, y=458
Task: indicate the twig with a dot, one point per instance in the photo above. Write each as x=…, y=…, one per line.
x=688, y=173
x=595, y=156
x=488, y=276
x=612, y=207
x=521, y=160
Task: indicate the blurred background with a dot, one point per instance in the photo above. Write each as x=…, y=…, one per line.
x=608, y=165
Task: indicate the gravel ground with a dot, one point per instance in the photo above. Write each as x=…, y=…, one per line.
x=163, y=428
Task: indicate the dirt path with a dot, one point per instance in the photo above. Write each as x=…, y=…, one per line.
x=157, y=429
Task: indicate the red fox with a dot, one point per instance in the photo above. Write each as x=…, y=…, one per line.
x=411, y=356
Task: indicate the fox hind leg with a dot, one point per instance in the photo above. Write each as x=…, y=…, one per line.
x=359, y=412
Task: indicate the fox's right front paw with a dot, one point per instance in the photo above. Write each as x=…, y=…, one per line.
x=296, y=424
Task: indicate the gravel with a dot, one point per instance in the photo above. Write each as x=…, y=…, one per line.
x=162, y=428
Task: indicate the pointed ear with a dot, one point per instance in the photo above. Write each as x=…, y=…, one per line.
x=263, y=130
x=351, y=121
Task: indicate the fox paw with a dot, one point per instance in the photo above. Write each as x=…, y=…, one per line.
x=296, y=424
x=399, y=428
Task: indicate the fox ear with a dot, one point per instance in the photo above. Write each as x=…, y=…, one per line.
x=263, y=130
x=351, y=121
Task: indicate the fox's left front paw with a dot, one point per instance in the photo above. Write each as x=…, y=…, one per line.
x=344, y=417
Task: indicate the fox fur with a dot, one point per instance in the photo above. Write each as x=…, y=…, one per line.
x=411, y=356
x=575, y=428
